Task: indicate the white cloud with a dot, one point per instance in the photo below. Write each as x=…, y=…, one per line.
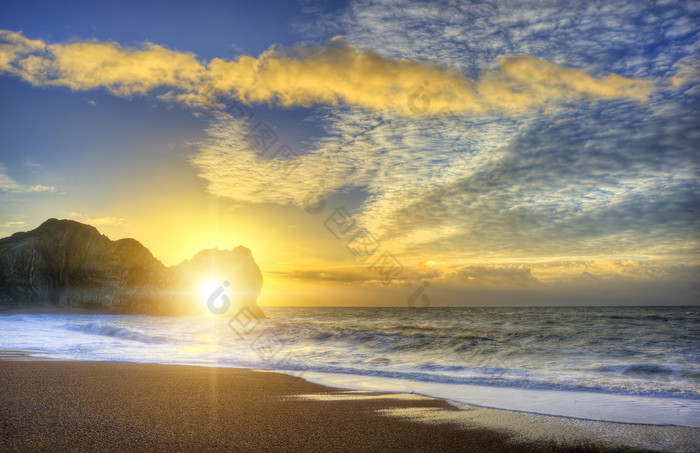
x=8, y=184
x=585, y=178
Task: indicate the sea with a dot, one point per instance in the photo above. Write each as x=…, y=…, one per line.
x=618, y=364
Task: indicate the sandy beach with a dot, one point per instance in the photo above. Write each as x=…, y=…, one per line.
x=106, y=406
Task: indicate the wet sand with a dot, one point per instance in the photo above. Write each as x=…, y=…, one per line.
x=107, y=406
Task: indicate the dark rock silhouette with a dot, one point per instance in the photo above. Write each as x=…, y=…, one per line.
x=64, y=263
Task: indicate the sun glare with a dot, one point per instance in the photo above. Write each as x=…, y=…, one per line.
x=212, y=288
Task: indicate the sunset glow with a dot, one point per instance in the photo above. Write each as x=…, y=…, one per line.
x=350, y=225
x=532, y=167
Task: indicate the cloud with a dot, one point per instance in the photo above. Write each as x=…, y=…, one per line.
x=611, y=181
x=622, y=37
x=8, y=184
x=598, y=178
x=605, y=179
x=328, y=74
x=41, y=188
x=384, y=155
x=338, y=72
x=13, y=224
x=105, y=221
x=90, y=65
x=86, y=218
x=572, y=280
x=688, y=73
x=498, y=275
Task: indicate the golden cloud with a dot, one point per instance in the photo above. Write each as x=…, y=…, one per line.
x=333, y=73
x=85, y=218
x=91, y=65
x=105, y=221
x=688, y=73
x=41, y=188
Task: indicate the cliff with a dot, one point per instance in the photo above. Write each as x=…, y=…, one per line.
x=67, y=264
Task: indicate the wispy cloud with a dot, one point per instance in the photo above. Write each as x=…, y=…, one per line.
x=13, y=225
x=8, y=184
x=545, y=275
x=597, y=35
x=328, y=74
x=95, y=221
x=597, y=177
x=105, y=221
x=688, y=73
x=609, y=178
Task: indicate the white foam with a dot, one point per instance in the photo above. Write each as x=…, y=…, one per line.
x=354, y=395
x=559, y=431
x=583, y=405
x=210, y=342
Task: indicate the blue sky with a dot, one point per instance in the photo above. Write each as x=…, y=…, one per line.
x=556, y=152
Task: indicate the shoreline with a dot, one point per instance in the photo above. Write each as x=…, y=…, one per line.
x=593, y=407
x=80, y=405
x=45, y=310
x=570, y=404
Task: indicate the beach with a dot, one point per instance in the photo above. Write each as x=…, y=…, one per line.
x=53, y=405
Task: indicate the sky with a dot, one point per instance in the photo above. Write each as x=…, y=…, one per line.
x=371, y=153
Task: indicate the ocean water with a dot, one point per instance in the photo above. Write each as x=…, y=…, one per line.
x=626, y=364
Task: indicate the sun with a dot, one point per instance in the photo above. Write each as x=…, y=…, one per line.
x=214, y=289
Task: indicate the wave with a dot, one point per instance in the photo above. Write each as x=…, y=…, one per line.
x=123, y=333
x=504, y=378
x=646, y=370
x=651, y=352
